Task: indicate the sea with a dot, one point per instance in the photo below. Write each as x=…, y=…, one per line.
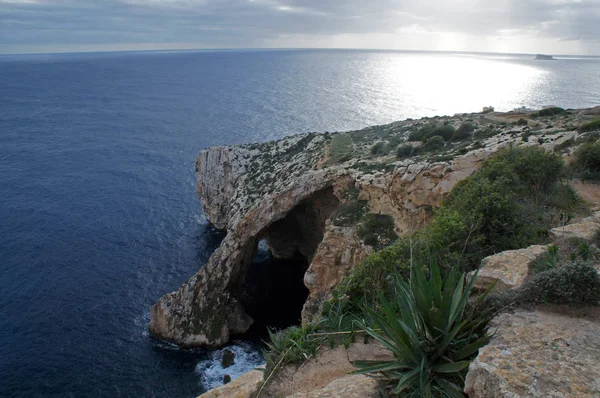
x=99, y=215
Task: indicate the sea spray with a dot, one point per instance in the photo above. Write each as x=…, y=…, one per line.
x=211, y=371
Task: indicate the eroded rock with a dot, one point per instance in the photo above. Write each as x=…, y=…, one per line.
x=248, y=190
x=539, y=354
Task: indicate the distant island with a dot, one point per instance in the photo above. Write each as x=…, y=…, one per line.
x=544, y=57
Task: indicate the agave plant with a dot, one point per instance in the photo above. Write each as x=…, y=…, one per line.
x=431, y=331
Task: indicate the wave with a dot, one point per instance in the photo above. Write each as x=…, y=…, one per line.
x=211, y=371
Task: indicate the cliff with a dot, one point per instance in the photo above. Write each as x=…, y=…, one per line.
x=315, y=195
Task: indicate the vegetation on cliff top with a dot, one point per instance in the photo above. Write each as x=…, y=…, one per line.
x=510, y=202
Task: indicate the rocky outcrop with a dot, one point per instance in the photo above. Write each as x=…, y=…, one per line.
x=539, y=354
x=243, y=387
x=508, y=269
x=286, y=193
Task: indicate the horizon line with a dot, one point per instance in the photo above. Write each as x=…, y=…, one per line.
x=233, y=49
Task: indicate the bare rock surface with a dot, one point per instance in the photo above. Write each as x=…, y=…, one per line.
x=242, y=387
x=508, y=269
x=351, y=386
x=321, y=375
x=542, y=353
x=581, y=231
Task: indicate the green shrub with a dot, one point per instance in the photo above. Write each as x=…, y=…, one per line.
x=537, y=168
x=379, y=149
x=587, y=159
x=463, y=131
x=404, y=151
x=434, y=143
x=593, y=125
x=370, y=277
x=431, y=332
x=564, y=197
x=521, y=122
x=377, y=230
x=291, y=345
x=445, y=131
x=423, y=133
x=497, y=207
x=575, y=282
x=549, y=111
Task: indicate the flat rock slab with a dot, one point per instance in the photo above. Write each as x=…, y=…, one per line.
x=539, y=354
x=318, y=375
x=507, y=269
x=585, y=230
x=242, y=387
x=351, y=386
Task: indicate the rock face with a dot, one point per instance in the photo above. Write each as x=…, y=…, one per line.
x=538, y=354
x=288, y=192
x=242, y=387
x=508, y=269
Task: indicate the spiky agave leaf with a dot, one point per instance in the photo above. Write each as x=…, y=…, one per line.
x=429, y=331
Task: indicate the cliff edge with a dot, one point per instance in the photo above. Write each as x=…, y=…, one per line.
x=330, y=199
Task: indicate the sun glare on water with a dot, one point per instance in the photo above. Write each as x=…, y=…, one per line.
x=437, y=85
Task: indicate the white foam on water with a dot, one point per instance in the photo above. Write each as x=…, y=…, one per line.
x=211, y=371
x=200, y=219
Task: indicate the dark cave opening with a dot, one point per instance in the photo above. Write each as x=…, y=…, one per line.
x=273, y=291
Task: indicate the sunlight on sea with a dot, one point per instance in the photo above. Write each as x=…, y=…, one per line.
x=450, y=84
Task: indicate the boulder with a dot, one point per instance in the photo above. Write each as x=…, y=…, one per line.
x=539, y=354
x=228, y=359
x=507, y=269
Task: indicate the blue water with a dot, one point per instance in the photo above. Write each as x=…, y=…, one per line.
x=99, y=214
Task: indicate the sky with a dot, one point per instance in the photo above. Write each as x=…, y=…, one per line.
x=509, y=26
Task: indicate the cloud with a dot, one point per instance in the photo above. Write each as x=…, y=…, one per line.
x=566, y=25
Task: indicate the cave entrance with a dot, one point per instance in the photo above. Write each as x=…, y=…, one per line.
x=273, y=291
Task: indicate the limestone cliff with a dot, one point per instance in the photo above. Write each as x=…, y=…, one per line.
x=298, y=194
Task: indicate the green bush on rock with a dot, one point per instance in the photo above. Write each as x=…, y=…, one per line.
x=405, y=151
x=575, y=282
x=463, y=131
x=434, y=143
